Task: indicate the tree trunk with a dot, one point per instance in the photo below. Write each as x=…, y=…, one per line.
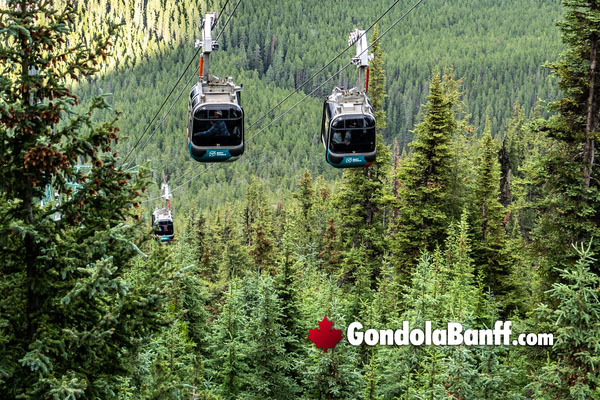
x=33, y=301
x=591, y=120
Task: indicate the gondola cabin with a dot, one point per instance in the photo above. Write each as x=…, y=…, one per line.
x=348, y=130
x=215, y=126
x=162, y=224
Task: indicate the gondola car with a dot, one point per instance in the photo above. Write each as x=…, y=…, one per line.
x=162, y=223
x=215, y=125
x=162, y=218
x=348, y=122
x=348, y=130
x=216, y=122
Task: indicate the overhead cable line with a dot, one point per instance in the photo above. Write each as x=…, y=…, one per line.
x=263, y=129
x=323, y=68
x=314, y=90
x=167, y=113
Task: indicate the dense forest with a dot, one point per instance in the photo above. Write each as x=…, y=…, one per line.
x=482, y=205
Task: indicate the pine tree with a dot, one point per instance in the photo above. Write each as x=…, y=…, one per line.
x=377, y=93
x=371, y=378
x=404, y=368
x=70, y=317
x=266, y=338
x=286, y=287
x=330, y=254
x=305, y=197
x=335, y=374
x=512, y=152
x=196, y=236
x=263, y=248
x=228, y=366
x=169, y=363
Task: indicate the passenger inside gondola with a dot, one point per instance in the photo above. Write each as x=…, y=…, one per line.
x=217, y=126
x=164, y=228
x=340, y=137
x=220, y=127
x=352, y=135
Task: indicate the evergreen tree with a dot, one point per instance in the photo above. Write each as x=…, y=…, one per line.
x=266, y=337
x=228, y=367
x=263, y=249
x=330, y=253
x=487, y=219
x=512, y=152
x=567, y=173
x=573, y=373
x=305, y=197
x=403, y=367
x=70, y=317
x=195, y=237
x=286, y=287
x=334, y=374
x=166, y=358
x=371, y=378
x=425, y=191
x=377, y=93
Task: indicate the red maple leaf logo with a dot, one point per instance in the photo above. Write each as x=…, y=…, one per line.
x=325, y=337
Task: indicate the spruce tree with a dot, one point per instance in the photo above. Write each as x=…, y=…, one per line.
x=487, y=218
x=228, y=368
x=270, y=365
x=335, y=374
x=571, y=204
x=512, y=152
x=424, y=179
x=404, y=368
x=376, y=91
x=286, y=288
x=573, y=372
x=305, y=195
x=69, y=319
x=330, y=254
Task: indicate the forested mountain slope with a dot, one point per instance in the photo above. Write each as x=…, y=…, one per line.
x=485, y=226
x=498, y=48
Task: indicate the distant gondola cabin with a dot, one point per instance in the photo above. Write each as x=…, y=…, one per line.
x=163, y=227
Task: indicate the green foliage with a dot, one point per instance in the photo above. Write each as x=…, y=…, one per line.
x=487, y=219
x=377, y=81
x=457, y=229
x=229, y=367
x=424, y=193
x=334, y=374
x=573, y=374
x=567, y=172
x=71, y=315
x=154, y=48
